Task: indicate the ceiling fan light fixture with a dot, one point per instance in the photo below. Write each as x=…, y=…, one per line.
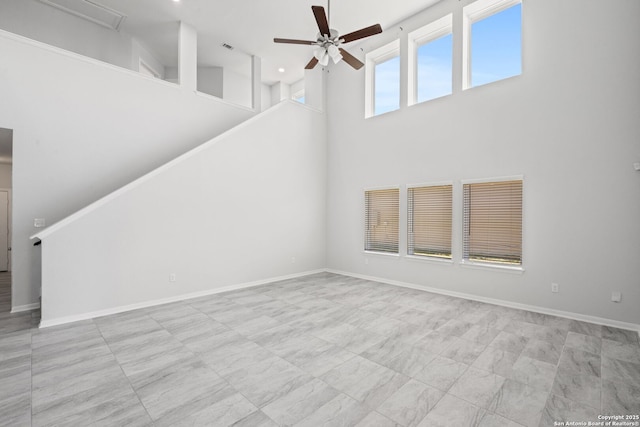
x=334, y=53
x=322, y=56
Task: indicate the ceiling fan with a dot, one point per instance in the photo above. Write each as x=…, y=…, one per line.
x=329, y=41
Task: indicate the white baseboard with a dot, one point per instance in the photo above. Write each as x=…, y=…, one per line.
x=503, y=303
x=26, y=307
x=115, y=310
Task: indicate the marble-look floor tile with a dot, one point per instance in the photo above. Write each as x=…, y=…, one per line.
x=411, y=403
x=584, y=342
x=453, y=411
x=477, y=386
x=580, y=362
x=366, y=381
x=494, y=420
x=152, y=351
x=620, y=398
x=15, y=381
x=441, y=373
x=558, y=409
x=497, y=361
x=410, y=362
x=253, y=325
x=507, y=341
x=621, y=371
x=352, y=339
x=16, y=410
x=46, y=393
x=300, y=402
x=255, y=419
x=534, y=373
x=180, y=390
x=320, y=362
x=385, y=350
x=585, y=328
x=463, y=351
x=375, y=419
x=435, y=342
x=190, y=367
x=481, y=334
x=106, y=403
x=455, y=327
x=341, y=411
x=265, y=381
x=555, y=336
x=493, y=320
x=519, y=403
x=542, y=350
x=620, y=335
x=581, y=388
x=223, y=413
x=126, y=325
x=621, y=351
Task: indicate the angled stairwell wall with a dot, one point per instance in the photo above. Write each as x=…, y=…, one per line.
x=82, y=129
x=245, y=207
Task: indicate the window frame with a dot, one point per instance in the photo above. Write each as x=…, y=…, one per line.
x=488, y=264
x=366, y=222
x=373, y=58
x=474, y=12
x=418, y=38
x=409, y=221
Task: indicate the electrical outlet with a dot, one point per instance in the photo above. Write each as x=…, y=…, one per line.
x=39, y=222
x=555, y=288
x=616, y=296
x=293, y=260
x=366, y=260
x=172, y=277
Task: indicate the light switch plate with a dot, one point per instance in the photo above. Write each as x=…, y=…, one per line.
x=616, y=296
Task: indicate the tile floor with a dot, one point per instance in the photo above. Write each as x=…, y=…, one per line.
x=322, y=350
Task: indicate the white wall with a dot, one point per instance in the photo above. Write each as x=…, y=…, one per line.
x=83, y=129
x=569, y=124
x=235, y=210
x=142, y=53
x=236, y=88
x=38, y=21
x=210, y=81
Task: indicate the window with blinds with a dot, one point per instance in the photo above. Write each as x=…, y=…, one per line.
x=492, y=219
x=381, y=220
x=429, y=221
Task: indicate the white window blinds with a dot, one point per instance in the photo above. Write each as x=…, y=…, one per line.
x=492, y=221
x=429, y=221
x=381, y=220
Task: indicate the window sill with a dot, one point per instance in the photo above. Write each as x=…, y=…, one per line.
x=383, y=254
x=493, y=267
x=435, y=260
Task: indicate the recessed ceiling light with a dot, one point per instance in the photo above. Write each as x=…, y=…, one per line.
x=176, y=1
x=281, y=70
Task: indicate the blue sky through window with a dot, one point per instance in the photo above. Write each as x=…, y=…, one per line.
x=387, y=86
x=496, y=46
x=434, y=68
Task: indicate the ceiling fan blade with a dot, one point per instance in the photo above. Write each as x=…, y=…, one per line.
x=351, y=60
x=293, y=41
x=321, y=19
x=360, y=34
x=311, y=64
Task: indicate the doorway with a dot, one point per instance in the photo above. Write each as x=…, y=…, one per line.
x=6, y=185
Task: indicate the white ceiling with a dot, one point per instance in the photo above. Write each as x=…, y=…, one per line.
x=250, y=26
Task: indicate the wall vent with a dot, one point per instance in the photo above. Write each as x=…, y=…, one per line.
x=227, y=46
x=90, y=11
